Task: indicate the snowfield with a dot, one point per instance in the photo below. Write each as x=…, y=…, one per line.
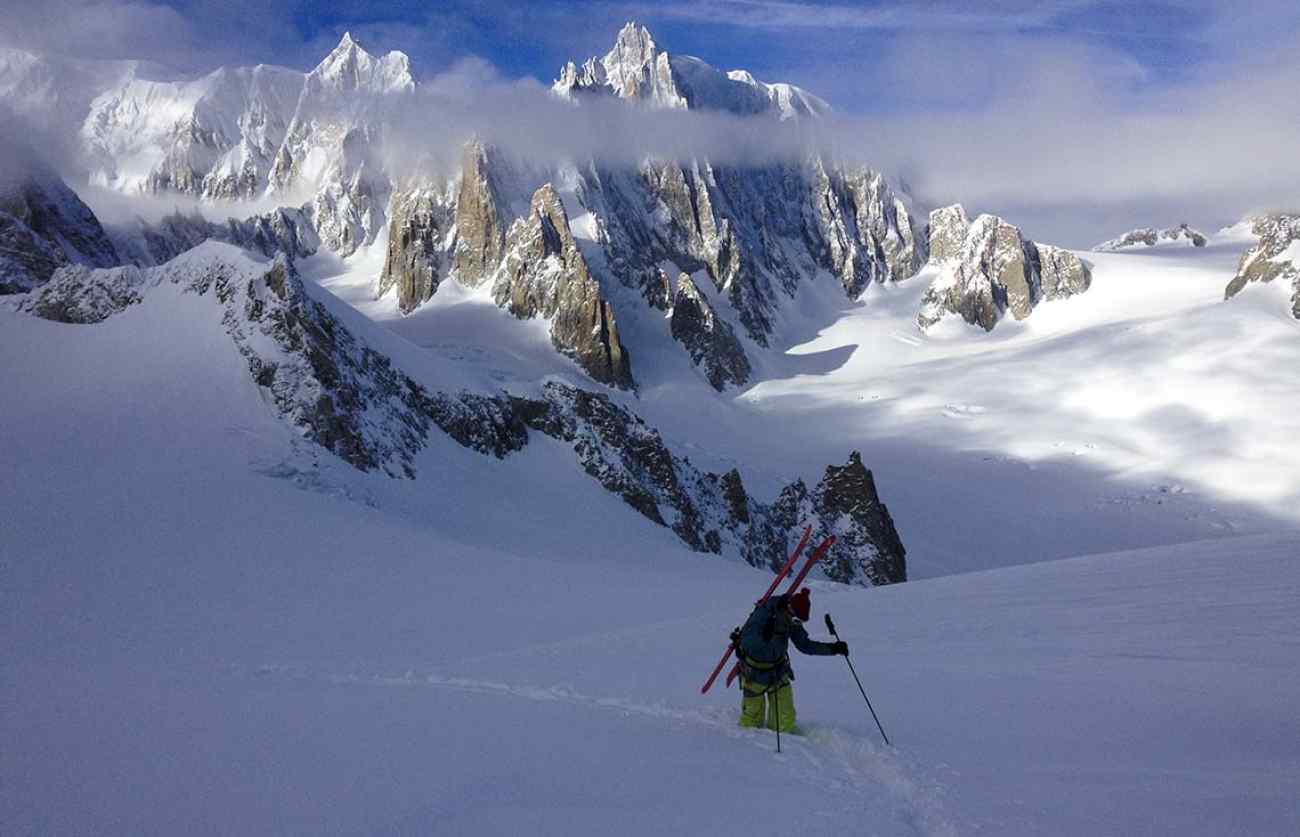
x=210, y=627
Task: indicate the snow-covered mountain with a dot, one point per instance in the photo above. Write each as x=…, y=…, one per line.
x=43, y=224
x=637, y=68
x=748, y=239
x=214, y=137
x=423, y=504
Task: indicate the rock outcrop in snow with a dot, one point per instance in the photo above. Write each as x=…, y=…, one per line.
x=43, y=224
x=325, y=380
x=709, y=340
x=1276, y=256
x=480, y=227
x=420, y=221
x=1150, y=237
x=545, y=275
x=995, y=270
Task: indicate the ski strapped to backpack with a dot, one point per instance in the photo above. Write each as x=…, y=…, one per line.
x=817, y=555
x=780, y=576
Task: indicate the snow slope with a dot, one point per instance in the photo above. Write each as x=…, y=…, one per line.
x=203, y=634
x=208, y=629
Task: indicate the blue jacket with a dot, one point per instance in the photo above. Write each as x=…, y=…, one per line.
x=764, y=646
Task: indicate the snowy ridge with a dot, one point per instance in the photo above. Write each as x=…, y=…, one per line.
x=339, y=392
x=637, y=68
x=1150, y=237
x=43, y=224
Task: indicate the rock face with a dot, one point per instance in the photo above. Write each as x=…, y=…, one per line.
x=758, y=234
x=947, y=232
x=354, y=402
x=1150, y=237
x=996, y=270
x=845, y=504
x=321, y=140
x=714, y=513
x=480, y=229
x=287, y=230
x=43, y=224
x=708, y=339
x=545, y=275
x=1276, y=256
x=420, y=221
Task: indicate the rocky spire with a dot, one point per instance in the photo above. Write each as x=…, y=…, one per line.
x=546, y=275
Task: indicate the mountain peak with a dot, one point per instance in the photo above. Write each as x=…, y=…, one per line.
x=350, y=67
x=635, y=38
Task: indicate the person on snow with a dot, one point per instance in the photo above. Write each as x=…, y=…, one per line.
x=762, y=646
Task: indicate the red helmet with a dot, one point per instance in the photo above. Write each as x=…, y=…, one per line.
x=801, y=604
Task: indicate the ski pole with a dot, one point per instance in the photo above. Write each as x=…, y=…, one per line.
x=830, y=626
x=776, y=704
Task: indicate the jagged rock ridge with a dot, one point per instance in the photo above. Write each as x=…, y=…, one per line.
x=286, y=230
x=1150, y=237
x=546, y=275
x=43, y=224
x=1276, y=256
x=994, y=270
x=758, y=232
x=354, y=402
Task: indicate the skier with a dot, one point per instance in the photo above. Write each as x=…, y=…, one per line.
x=762, y=646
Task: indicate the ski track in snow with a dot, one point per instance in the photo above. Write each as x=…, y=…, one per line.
x=856, y=769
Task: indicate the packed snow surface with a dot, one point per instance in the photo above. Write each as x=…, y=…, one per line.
x=210, y=628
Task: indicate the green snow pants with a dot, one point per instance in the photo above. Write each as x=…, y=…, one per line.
x=776, y=701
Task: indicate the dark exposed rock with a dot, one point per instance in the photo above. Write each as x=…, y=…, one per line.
x=83, y=295
x=286, y=230
x=546, y=275
x=480, y=229
x=43, y=224
x=1276, y=256
x=996, y=270
x=417, y=261
x=707, y=337
x=711, y=513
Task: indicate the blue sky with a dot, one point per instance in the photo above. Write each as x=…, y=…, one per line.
x=847, y=52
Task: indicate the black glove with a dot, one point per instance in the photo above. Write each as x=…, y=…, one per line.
x=842, y=647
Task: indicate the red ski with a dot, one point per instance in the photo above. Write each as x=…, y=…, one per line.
x=803, y=573
x=780, y=576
